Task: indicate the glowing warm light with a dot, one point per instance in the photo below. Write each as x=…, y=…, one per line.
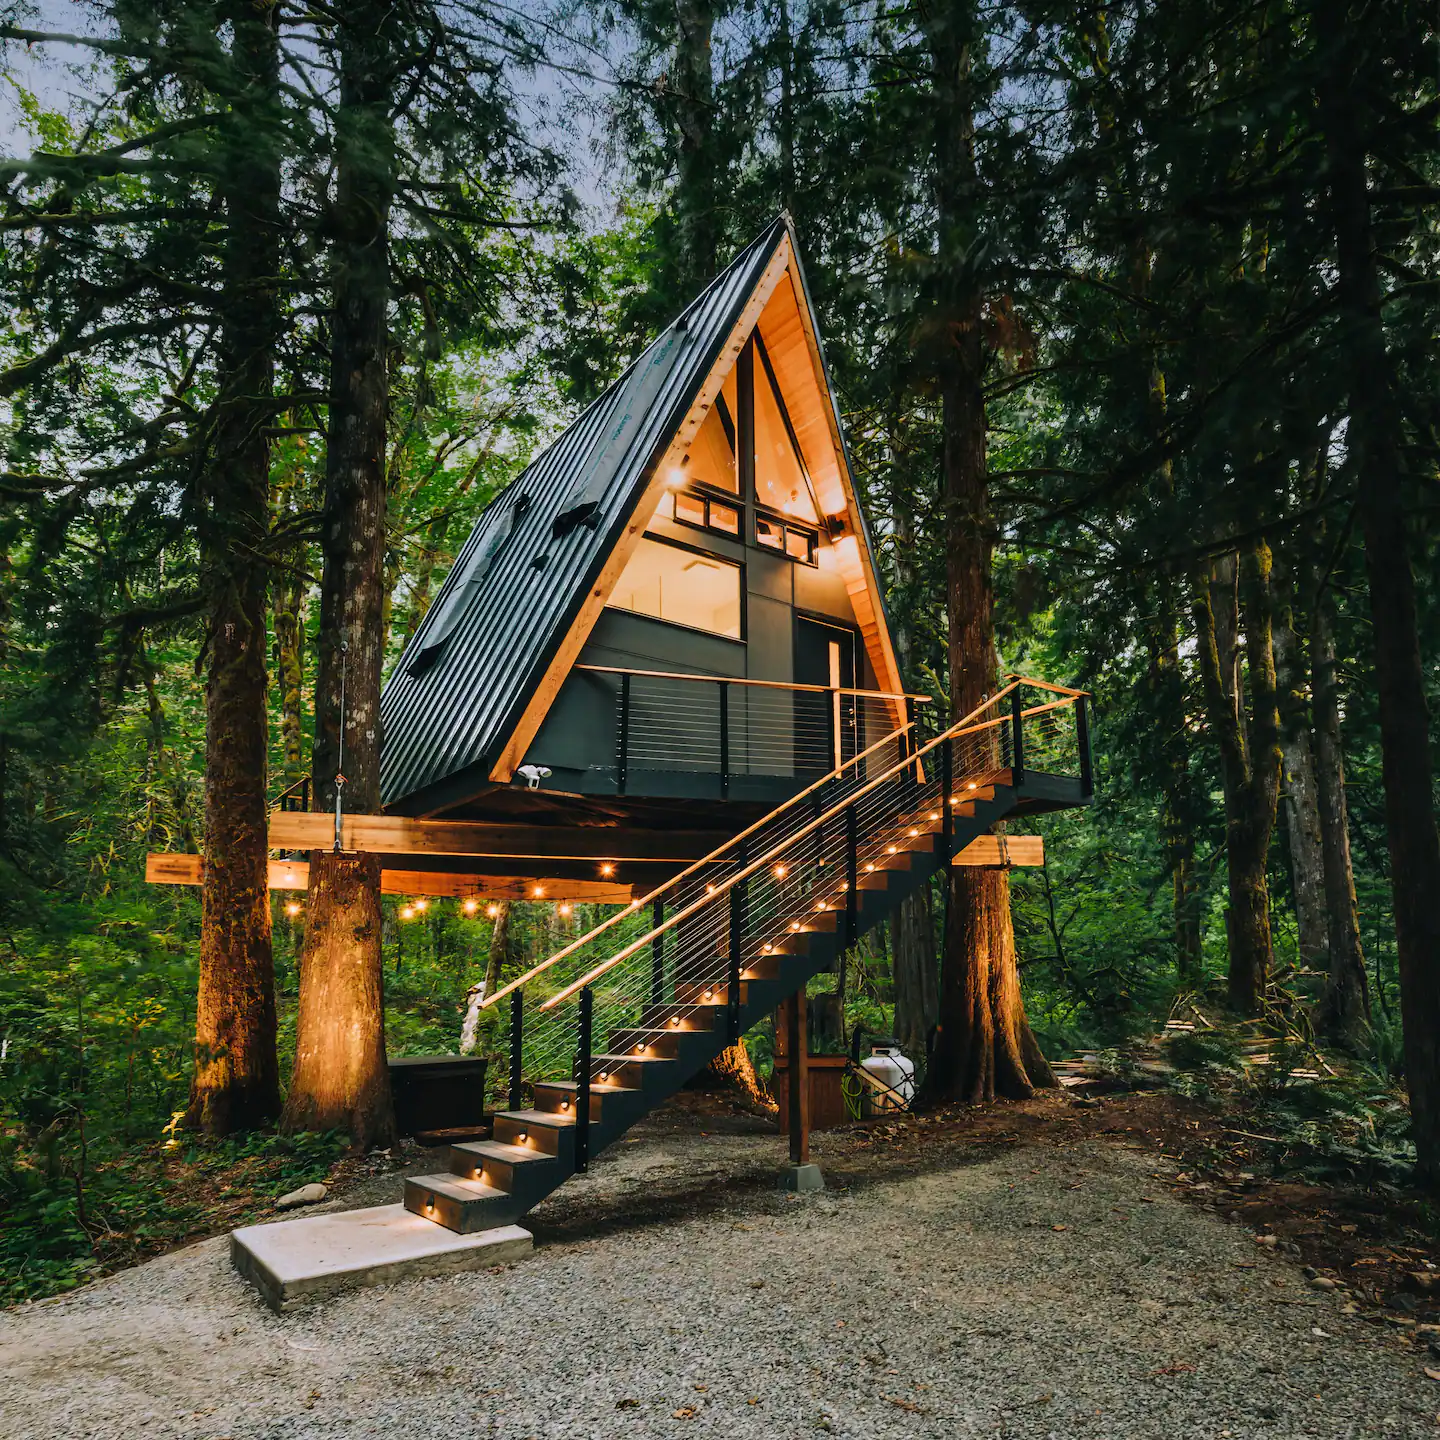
x=709, y=995
x=564, y=1104
x=607, y=869
x=914, y=831
x=868, y=866
x=470, y=906
x=820, y=905
x=634, y=904
x=406, y=913
x=520, y=1136
x=674, y=1019
x=889, y=849
x=794, y=924
x=709, y=889
x=289, y=877
x=601, y=1076
x=492, y=911
x=844, y=886
x=422, y=904
x=972, y=786
x=675, y=477
x=779, y=872
x=766, y=949
x=565, y=909
x=934, y=814
x=538, y=892
x=292, y=909
x=639, y=1049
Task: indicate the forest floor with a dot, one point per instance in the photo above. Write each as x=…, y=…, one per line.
x=1057, y=1268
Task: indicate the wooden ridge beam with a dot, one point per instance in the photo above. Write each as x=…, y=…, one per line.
x=173, y=869
x=1000, y=852
x=400, y=835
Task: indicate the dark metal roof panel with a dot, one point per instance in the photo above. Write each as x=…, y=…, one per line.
x=519, y=581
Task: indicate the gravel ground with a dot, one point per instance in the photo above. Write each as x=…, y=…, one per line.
x=1033, y=1291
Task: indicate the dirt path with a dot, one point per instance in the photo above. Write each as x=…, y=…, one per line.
x=1044, y=1282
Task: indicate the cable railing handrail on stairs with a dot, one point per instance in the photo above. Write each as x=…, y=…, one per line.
x=714, y=894
x=893, y=737
x=760, y=684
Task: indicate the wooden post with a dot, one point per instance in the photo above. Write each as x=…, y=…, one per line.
x=798, y=1046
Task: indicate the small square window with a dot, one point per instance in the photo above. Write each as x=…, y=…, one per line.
x=690, y=509
x=724, y=518
x=769, y=533
x=798, y=545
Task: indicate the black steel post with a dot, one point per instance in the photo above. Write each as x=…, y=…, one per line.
x=622, y=757
x=737, y=949
x=1017, y=738
x=852, y=877
x=724, y=740
x=947, y=807
x=657, y=954
x=517, y=1041
x=1082, y=736
x=582, y=1084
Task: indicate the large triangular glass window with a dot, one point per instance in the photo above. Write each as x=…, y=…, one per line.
x=781, y=483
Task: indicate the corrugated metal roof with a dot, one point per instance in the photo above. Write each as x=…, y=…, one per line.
x=518, y=583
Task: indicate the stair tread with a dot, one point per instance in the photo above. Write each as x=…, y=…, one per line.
x=457, y=1188
x=538, y=1117
x=499, y=1150
x=596, y=1086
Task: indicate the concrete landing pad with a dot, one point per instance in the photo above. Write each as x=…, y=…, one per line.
x=292, y=1262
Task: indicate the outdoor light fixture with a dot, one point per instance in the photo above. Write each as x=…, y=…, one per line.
x=607, y=868
x=708, y=995
x=538, y=892
x=973, y=786
x=406, y=913
x=564, y=909
x=601, y=1077
x=470, y=906
x=779, y=872
x=674, y=1019
x=491, y=911
x=639, y=1049
x=289, y=877
x=564, y=1104
x=422, y=904
x=292, y=909
x=890, y=850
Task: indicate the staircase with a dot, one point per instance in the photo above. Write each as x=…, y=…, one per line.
x=748, y=926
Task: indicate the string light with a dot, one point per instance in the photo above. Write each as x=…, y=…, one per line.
x=492, y=911
x=422, y=904
x=780, y=872
x=470, y=906
x=406, y=913
x=607, y=868
x=538, y=892
x=292, y=909
x=565, y=909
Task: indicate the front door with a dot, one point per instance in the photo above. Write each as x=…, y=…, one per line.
x=826, y=728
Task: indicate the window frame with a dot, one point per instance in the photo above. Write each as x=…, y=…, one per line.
x=700, y=550
x=711, y=497
x=787, y=526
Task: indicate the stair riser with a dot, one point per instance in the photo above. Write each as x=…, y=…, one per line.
x=464, y=1217
x=700, y=1021
x=556, y=1102
x=541, y=1138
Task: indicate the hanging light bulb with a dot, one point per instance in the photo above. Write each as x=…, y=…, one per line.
x=538, y=892
x=292, y=909
x=607, y=868
x=406, y=913
x=470, y=906
x=422, y=904
x=565, y=909
x=492, y=911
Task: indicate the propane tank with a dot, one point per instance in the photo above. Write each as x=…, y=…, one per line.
x=890, y=1079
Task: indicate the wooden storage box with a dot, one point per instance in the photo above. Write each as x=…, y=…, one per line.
x=827, y=1099
x=438, y=1092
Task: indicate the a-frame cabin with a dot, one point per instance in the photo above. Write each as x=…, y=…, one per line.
x=672, y=616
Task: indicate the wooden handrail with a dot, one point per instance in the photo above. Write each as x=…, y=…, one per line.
x=761, y=684
x=960, y=727
x=674, y=880
x=1046, y=685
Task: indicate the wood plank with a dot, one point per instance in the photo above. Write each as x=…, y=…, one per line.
x=1000, y=852
x=401, y=835
x=172, y=869
x=574, y=642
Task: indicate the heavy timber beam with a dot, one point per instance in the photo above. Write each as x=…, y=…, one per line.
x=995, y=852
x=170, y=869
x=399, y=835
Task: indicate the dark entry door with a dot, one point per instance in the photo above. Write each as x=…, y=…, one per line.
x=826, y=729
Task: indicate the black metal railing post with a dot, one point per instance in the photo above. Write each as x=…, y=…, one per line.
x=724, y=740
x=852, y=876
x=947, y=805
x=737, y=949
x=582, y=1083
x=657, y=953
x=517, y=1043
x=1082, y=737
x=1017, y=738
x=622, y=740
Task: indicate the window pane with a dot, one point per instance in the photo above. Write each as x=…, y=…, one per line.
x=779, y=481
x=668, y=583
x=690, y=509
x=711, y=458
x=724, y=518
x=798, y=545
x=769, y=533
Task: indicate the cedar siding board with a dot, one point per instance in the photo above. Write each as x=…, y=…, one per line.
x=531, y=567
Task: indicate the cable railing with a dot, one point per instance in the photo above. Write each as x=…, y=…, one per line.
x=746, y=734
x=733, y=916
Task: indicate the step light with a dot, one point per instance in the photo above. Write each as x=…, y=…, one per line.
x=639, y=1049
x=520, y=1136
x=780, y=872
x=889, y=849
x=913, y=830
x=564, y=1104
x=429, y=1204
x=601, y=1077
x=675, y=1020
x=709, y=995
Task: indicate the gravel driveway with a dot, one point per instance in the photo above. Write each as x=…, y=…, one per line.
x=1033, y=1291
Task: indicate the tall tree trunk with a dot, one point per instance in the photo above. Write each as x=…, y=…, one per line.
x=1249, y=755
x=1345, y=1008
x=1302, y=805
x=494, y=963
x=236, y=1084
x=1374, y=435
x=289, y=605
x=697, y=191
x=983, y=1044
x=340, y=1079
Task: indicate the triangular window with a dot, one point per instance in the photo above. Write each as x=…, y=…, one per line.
x=711, y=459
x=780, y=479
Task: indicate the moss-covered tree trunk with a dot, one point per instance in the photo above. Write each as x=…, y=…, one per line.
x=340, y=1079
x=236, y=1084
x=1376, y=426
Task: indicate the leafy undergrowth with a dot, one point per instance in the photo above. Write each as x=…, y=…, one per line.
x=58, y=1231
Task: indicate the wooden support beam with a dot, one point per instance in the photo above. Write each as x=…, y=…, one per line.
x=171, y=869
x=1001, y=852
x=400, y=835
x=797, y=1056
